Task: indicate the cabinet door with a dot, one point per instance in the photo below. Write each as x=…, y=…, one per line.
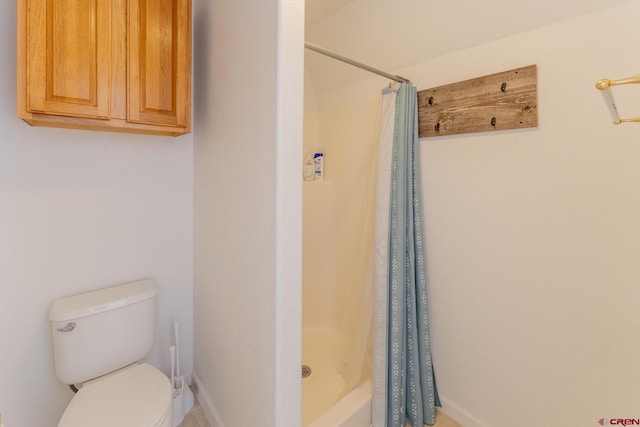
x=159, y=63
x=68, y=45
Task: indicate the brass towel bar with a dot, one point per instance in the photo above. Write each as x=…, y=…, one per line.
x=604, y=85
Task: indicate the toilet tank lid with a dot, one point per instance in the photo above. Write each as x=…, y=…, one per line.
x=100, y=300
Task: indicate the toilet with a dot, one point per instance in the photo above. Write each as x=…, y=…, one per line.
x=99, y=340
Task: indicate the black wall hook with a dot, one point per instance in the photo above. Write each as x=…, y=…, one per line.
x=503, y=87
x=493, y=121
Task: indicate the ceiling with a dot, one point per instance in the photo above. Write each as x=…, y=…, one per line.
x=317, y=10
x=391, y=35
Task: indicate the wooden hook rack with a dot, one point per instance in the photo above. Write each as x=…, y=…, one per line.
x=506, y=100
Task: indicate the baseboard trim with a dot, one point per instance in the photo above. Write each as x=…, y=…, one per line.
x=205, y=402
x=449, y=408
x=457, y=414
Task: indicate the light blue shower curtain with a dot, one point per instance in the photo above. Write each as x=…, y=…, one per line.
x=407, y=379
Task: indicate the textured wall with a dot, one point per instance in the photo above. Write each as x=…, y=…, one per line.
x=248, y=127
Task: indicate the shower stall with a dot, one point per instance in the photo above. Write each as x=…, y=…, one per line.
x=337, y=304
x=338, y=243
x=336, y=236
x=365, y=303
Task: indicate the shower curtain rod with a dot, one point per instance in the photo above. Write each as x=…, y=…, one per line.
x=349, y=61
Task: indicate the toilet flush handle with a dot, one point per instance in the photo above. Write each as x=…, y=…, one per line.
x=70, y=327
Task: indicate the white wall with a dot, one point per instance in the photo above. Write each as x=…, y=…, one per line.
x=81, y=210
x=533, y=235
x=248, y=129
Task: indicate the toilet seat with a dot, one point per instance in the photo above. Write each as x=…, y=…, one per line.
x=137, y=396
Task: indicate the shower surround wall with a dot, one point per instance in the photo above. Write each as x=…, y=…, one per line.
x=533, y=236
x=337, y=232
x=335, y=209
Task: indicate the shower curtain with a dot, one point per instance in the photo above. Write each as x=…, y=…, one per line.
x=404, y=384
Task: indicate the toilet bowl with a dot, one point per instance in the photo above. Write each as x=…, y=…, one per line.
x=99, y=340
x=136, y=396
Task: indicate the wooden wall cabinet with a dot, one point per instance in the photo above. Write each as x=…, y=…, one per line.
x=115, y=65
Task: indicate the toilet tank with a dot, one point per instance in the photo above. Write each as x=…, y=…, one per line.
x=98, y=332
